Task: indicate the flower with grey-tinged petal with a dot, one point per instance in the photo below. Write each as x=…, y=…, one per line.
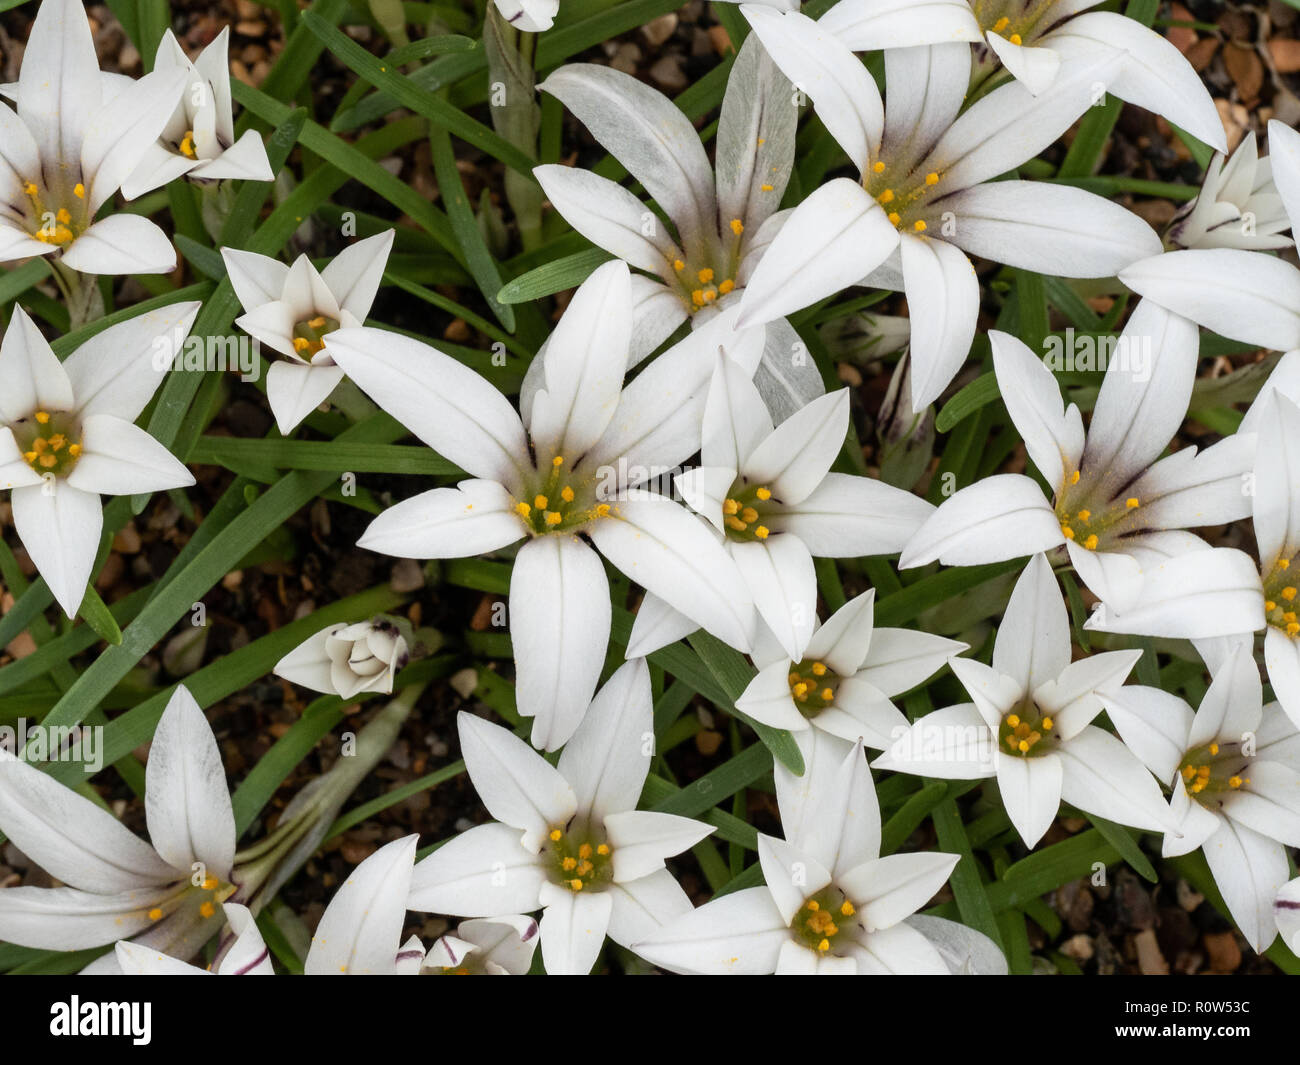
x=830, y=905
x=1238, y=205
x=485, y=946
x=295, y=309
x=198, y=141
x=1030, y=723
x=68, y=436
x=346, y=660
x=1233, y=766
x=569, y=839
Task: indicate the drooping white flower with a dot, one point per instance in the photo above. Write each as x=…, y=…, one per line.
x=1033, y=41
x=769, y=493
x=67, y=436
x=568, y=839
x=294, y=310
x=165, y=895
x=1238, y=206
x=843, y=683
x=831, y=905
x=1234, y=768
x=530, y=16
x=723, y=216
x=74, y=141
x=486, y=946
x=1118, y=508
x=1030, y=723
x=563, y=475
x=346, y=660
x=198, y=141
x=1243, y=295
x=247, y=955
x=925, y=197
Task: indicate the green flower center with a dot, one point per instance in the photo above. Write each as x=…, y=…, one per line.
x=53, y=222
x=309, y=334
x=1090, y=523
x=744, y=509
x=701, y=286
x=50, y=442
x=812, y=686
x=1026, y=732
x=578, y=860
x=559, y=502
x=1213, y=769
x=823, y=920
x=904, y=197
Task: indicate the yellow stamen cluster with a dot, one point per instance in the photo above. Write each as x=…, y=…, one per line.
x=1084, y=524
x=1279, y=599
x=742, y=512
x=706, y=291
x=900, y=197
x=1213, y=769
x=52, y=227
x=822, y=918
x=1021, y=732
x=554, y=506
x=48, y=442
x=309, y=334
x=186, y=146
x=579, y=864
x=812, y=686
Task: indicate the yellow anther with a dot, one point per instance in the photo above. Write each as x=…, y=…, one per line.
x=765, y=188
x=1014, y=38
x=735, y=523
x=1131, y=503
x=814, y=905
x=43, y=417
x=30, y=188
x=584, y=851
x=1013, y=720
x=602, y=510
x=847, y=910
x=886, y=197
x=558, y=461
x=187, y=145
x=1074, y=477
x=730, y=506
x=155, y=914
x=317, y=322
x=932, y=178
x=556, y=835
x=919, y=225
x=697, y=297
x=1047, y=724
x=894, y=218
x=523, y=509
x=62, y=215
x=301, y=344
x=540, y=502
x=1001, y=24
x=878, y=167
x=1283, y=563
x=575, y=884
x=1234, y=782
x=726, y=286
x=705, y=276
x=1288, y=593
x=737, y=226
x=29, y=456
x=207, y=909
x=824, y=945
x=566, y=493
x=79, y=190
x=1084, y=515
x=1091, y=542
x=1214, y=748
x=210, y=883
x=819, y=669
x=709, y=295
x=678, y=265
x=553, y=518
x=1022, y=746
x=603, y=850
x=1270, y=605
x=800, y=690
x=749, y=514
x=827, y=695
x=764, y=494
x=569, y=864
x=762, y=532
x=1293, y=628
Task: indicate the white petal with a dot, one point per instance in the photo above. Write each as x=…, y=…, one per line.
x=831, y=814
x=245, y=160
x=34, y=378
x=1284, y=162
x=656, y=625
x=900, y=659
x=295, y=390
x=954, y=743
x=187, y=800
x=641, y=907
x=573, y=928
x=121, y=459
x=943, y=298
x=848, y=516
x=1053, y=436
x=845, y=640
x=483, y=872
x=67, y=919
x=1242, y=295
x=1249, y=870
x=1031, y=793
x=1033, y=642
x=868, y=25
x=642, y=839
x=737, y=934
x=446, y=404
x=927, y=87
x=608, y=758
x=886, y=890
x=60, y=528
x=735, y=419
x=121, y=244
x=360, y=931
x=59, y=81
x=559, y=624
x=257, y=279
x=1277, y=473
x=473, y=518
x=1282, y=656
x=663, y=548
x=518, y=786
x=780, y=575
x=833, y=239
x=767, y=698
x=1075, y=698
x=900, y=949
x=1034, y=68
x=796, y=456
x=1000, y=517
x=791, y=875
x=1103, y=777
x=1231, y=707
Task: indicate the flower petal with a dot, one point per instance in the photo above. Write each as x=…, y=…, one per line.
x=999, y=517
x=60, y=528
x=473, y=518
